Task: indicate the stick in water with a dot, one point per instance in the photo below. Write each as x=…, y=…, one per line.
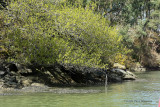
x=106, y=81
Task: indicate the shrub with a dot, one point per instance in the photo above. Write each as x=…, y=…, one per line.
x=46, y=32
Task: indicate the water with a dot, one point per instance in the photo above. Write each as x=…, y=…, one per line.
x=144, y=92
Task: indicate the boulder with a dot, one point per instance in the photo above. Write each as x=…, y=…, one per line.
x=115, y=75
x=11, y=80
x=118, y=75
x=129, y=76
x=85, y=75
x=68, y=74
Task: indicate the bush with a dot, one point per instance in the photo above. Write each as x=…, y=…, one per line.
x=46, y=32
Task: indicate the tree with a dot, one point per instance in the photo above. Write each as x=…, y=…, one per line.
x=45, y=33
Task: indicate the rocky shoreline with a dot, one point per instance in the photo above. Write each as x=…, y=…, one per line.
x=16, y=76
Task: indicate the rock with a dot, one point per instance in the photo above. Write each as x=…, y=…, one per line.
x=2, y=68
x=119, y=66
x=2, y=73
x=60, y=74
x=119, y=72
x=19, y=66
x=118, y=75
x=115, y=75
x=25, y=71
x=85, y=75
x=11, y=80
x=129, y=76
x=37, y=85
x=26, y=82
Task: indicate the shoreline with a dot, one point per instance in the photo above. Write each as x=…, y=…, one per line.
x=16, y=76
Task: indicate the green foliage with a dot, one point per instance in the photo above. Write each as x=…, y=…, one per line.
x=29, y=32
x=138, y=21
x=3, y=53
x=46, y=32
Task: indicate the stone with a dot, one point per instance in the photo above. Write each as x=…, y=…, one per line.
x=113, y=77
x=26, y=82
x=25, y=71
x=85, y=75
x=37, y=85
x=118, y=75
x=120, y=72
x=12, y=84
x=12, y=79
x=129, y=76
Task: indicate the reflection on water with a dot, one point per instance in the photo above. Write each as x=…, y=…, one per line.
x=144, y=92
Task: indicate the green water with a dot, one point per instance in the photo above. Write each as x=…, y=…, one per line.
x=144, y=92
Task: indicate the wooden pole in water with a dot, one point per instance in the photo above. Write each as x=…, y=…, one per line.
x=106, y=80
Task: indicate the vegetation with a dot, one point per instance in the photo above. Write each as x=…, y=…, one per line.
x=139, y=23
x=45, y=32
x=92, y=33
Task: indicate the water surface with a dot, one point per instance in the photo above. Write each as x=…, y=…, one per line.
x=144, y=92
